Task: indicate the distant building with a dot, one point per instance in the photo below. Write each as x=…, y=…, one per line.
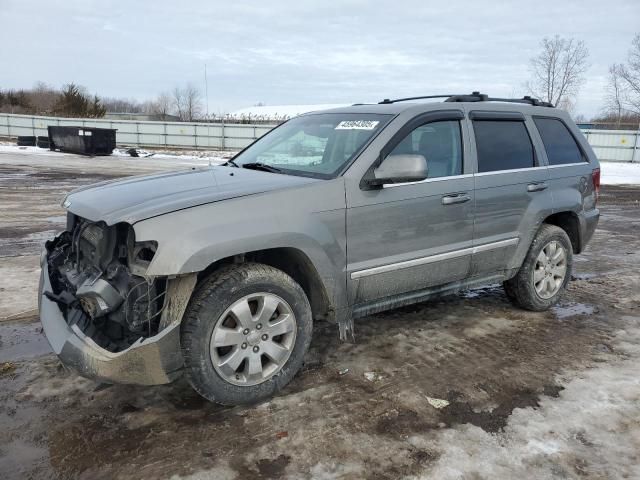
x=141, y=117
x=277, y=112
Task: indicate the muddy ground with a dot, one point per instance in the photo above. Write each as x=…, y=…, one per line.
x=466, y=387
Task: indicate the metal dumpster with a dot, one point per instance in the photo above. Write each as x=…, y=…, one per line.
x=82, y=140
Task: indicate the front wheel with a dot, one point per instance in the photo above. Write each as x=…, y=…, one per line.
x=545, y=272
x=245, y=333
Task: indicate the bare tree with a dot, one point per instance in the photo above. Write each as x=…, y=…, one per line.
x=160, y=106
x=178, y=103
x=192, y=102
x=187, y=102
x=628, y=80
x=122, y=105
x=614, y=99
x=558, y=70
x=43, y=98
x=580, y=118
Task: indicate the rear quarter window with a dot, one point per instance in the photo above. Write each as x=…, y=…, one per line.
x=558, y=142
x=503, y=145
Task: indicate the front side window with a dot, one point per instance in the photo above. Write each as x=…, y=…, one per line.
x=502, y=145
x=439, y=143
x=559, y=144
x=319, y=145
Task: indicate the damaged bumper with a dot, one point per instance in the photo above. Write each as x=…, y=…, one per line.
x=150, y=361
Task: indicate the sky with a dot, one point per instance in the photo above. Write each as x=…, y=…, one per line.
x=304, y=52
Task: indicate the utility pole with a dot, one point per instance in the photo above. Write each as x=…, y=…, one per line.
x=206, y=89
x=635, y=144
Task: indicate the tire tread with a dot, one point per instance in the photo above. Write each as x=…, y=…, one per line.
x=519, y=289
x=229, y=279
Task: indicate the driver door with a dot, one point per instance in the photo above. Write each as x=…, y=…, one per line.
x=403, y=238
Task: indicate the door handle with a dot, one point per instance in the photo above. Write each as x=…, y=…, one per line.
x=536, y=187
x=455, y=198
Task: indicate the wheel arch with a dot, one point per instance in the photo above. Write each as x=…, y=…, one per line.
x=570, y=223
x=294, y=263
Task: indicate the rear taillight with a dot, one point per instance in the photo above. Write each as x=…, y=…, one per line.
x=595, y=177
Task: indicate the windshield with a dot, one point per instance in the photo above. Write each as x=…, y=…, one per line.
x=313, y=145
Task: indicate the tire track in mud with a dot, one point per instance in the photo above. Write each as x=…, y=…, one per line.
x=376, y=408
x=31, y=198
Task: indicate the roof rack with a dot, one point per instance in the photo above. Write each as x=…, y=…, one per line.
x=475, y=97
x=386, y=100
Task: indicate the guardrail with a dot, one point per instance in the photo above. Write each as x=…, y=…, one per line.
x=609, y=145
x=220, y=136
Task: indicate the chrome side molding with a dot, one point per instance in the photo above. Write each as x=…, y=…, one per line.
x=434, y=258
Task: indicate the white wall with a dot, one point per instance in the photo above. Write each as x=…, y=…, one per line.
x=144, y=133
x=609, y=145
x=615, y=145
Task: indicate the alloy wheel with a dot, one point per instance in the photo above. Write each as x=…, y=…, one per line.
x=253, y=339
x=550, y=270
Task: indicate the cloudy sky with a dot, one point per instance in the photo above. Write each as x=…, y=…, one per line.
x=296, y=51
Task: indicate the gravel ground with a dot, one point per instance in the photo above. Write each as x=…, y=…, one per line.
x=465, y=387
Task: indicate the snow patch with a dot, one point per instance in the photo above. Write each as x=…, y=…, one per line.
x=437, y=402
x=619, y=173
x=372, y=376
x=27, y=150
x=563, y=311
x=586, y=431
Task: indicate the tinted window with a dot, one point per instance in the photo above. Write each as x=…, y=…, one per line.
x=558, y=142
x=439, y=143
x=502, y=145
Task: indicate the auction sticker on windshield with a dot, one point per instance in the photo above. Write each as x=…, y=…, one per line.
x=357, y=125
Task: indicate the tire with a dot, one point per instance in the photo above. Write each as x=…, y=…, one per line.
x=538, y=287
x=248, y=289
x=509, y=291
x=26, y=141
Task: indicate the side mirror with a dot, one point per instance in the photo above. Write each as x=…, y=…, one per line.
x=400, y=169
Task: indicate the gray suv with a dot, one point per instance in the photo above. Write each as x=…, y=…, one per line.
x=218, y=273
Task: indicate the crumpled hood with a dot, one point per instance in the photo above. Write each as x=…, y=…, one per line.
x=138, y=198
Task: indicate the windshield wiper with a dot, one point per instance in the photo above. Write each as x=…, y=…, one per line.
x=231, y=162
x=261, y=166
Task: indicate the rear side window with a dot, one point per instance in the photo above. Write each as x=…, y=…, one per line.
x=559, y=144
x=502, y=145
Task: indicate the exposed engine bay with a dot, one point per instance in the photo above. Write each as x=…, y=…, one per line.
x=97, y=277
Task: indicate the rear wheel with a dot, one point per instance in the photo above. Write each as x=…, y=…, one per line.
x=245, y=334
x=545, y=272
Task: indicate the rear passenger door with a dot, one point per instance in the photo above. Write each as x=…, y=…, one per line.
x=511, y=190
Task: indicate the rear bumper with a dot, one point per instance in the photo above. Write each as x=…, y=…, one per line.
x=152, y=361
x=588, y=224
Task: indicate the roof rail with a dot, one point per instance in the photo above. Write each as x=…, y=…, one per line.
x=475, y=97
x=386, y=100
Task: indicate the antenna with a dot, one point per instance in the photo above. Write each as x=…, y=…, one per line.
x=206, y=89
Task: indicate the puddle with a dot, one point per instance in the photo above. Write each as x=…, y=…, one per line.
x=22, y=341
x=572, y=310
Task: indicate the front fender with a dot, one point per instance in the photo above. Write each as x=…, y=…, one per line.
x=309, y=219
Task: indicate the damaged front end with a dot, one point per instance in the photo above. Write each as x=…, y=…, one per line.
x=101, y=314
